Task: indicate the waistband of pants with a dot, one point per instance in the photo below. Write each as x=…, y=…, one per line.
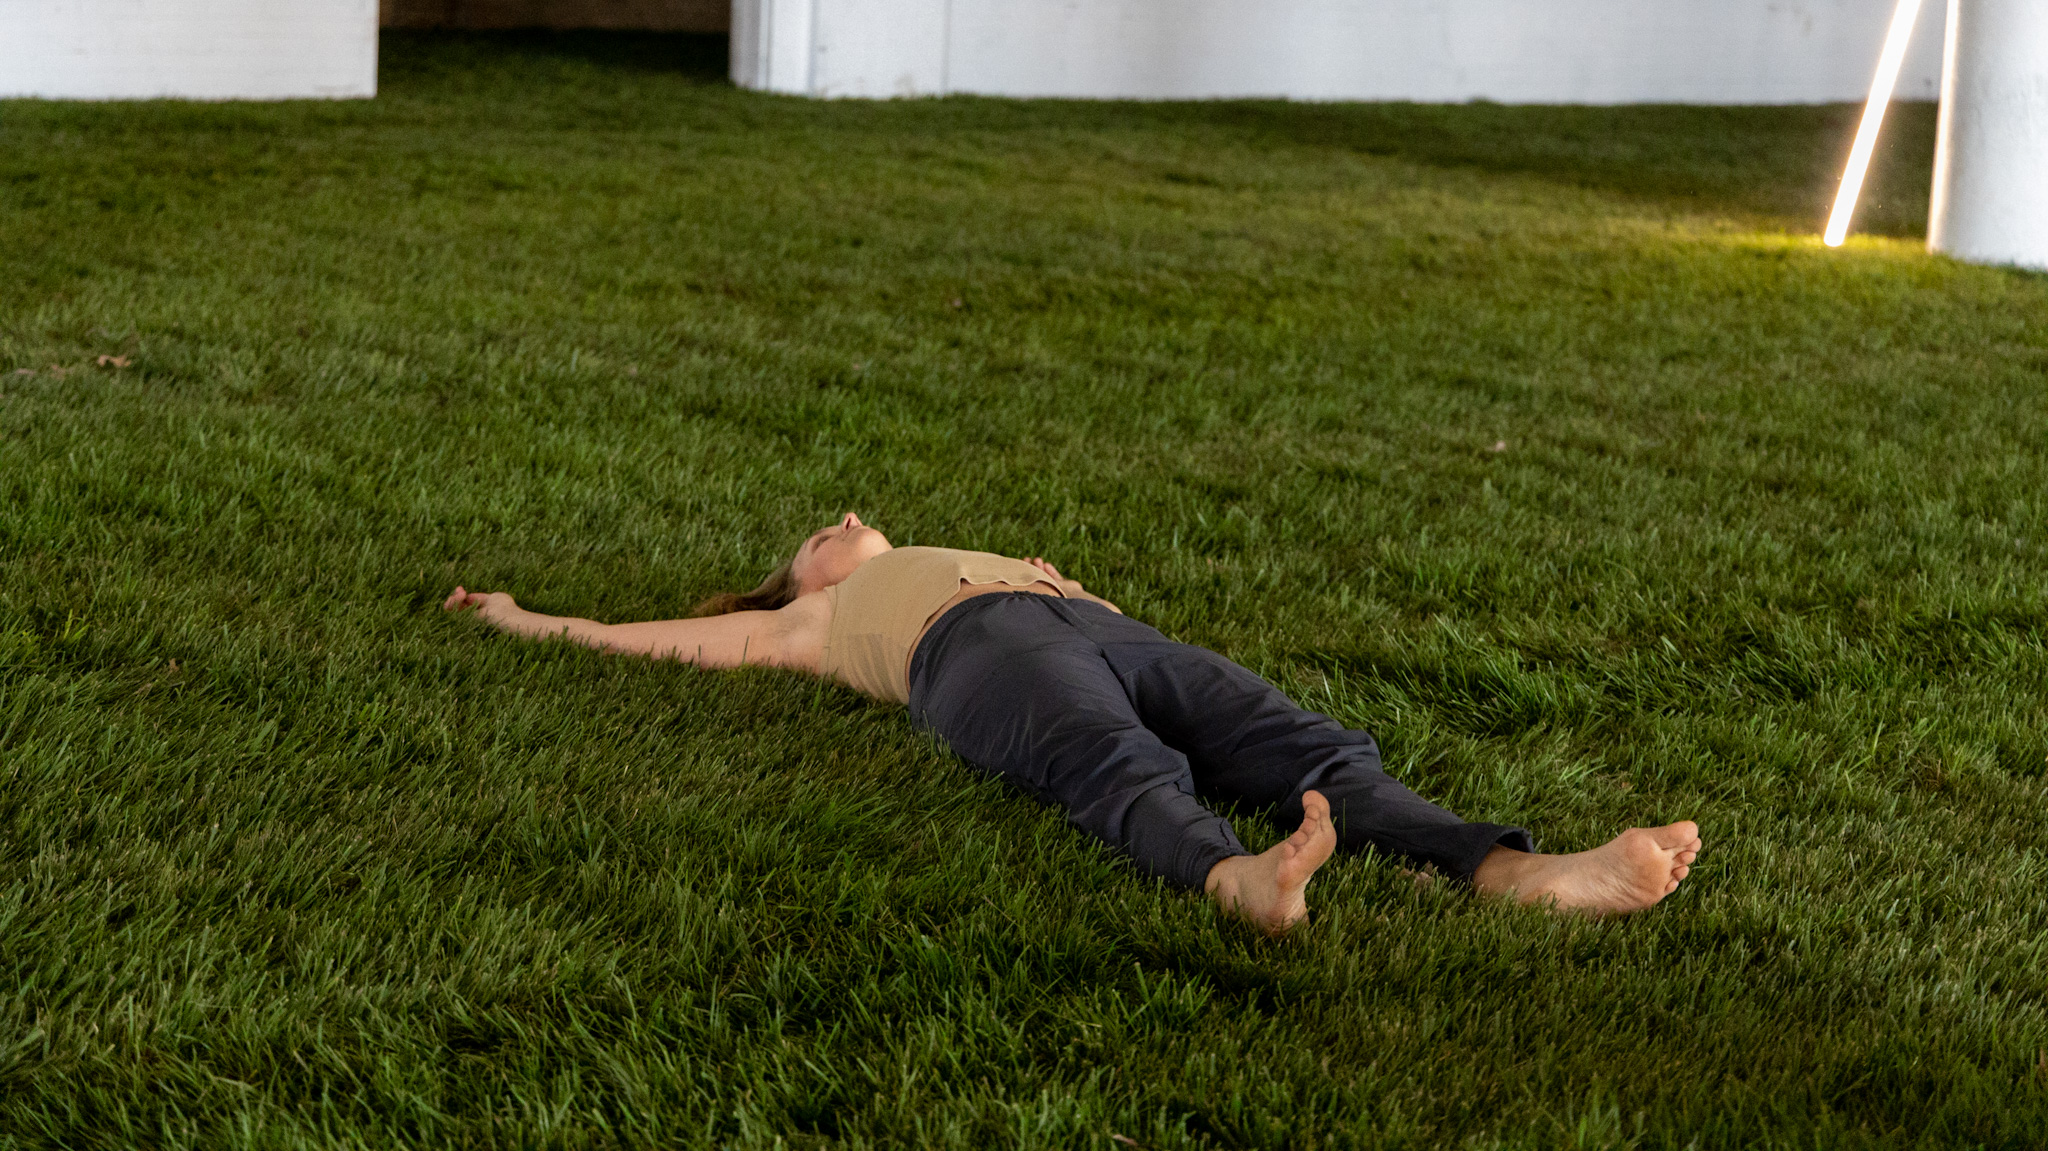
x=932, y=646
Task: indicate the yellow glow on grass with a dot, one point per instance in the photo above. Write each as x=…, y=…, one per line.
x=1873, y=115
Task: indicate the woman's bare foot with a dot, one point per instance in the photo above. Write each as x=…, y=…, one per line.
x=1268, y=889
x=1628, y=873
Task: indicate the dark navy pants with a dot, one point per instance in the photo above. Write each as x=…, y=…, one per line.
x=1129, y=732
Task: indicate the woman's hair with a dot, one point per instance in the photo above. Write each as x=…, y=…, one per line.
x=778, y=590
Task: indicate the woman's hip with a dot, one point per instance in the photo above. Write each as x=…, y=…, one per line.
x=1007, y=645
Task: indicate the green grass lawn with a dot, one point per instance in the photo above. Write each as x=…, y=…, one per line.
x=1548, y=444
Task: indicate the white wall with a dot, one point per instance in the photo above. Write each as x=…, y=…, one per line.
x=1514, y=51
x=201, y=49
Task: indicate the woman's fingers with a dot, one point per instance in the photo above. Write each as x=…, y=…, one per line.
x=461, y=599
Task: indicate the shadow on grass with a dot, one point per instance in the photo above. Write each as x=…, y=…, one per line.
x=1780, y=162
x=412, y=55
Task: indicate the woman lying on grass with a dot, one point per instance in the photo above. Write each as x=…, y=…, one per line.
x=1027, y=675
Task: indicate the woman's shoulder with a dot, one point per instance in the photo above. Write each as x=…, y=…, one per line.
x=813, y=607
x=803, y=625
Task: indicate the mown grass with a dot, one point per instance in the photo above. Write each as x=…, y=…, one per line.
x=290, y=859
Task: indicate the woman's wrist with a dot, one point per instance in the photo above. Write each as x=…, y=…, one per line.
x=514, y=619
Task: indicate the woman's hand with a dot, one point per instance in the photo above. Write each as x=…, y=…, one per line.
x=1040, y=563
x=493, y=607
x=1071, y=588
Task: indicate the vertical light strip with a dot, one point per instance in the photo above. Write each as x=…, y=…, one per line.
x=1881, y=86
x=1944, y=133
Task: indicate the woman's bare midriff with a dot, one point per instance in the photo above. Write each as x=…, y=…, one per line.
x=969, y=590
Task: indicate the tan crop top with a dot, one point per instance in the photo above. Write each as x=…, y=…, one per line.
x=879, y=611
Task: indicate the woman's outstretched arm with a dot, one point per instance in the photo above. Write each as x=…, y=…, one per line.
x=742, y=637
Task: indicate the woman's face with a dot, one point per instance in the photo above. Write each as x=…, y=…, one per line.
x=831, y=554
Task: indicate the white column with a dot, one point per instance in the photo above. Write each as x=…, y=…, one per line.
x=1990, y=200
x=881, y=47
x=773, y=47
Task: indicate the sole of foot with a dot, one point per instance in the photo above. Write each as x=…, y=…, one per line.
x=1270, y=890
x=1630, y=872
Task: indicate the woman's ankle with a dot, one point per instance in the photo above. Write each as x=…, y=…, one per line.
x=1503, y=870
x=1223, y=881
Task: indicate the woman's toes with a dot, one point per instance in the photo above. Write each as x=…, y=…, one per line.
x=1680, y=872
x=1676, y=836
